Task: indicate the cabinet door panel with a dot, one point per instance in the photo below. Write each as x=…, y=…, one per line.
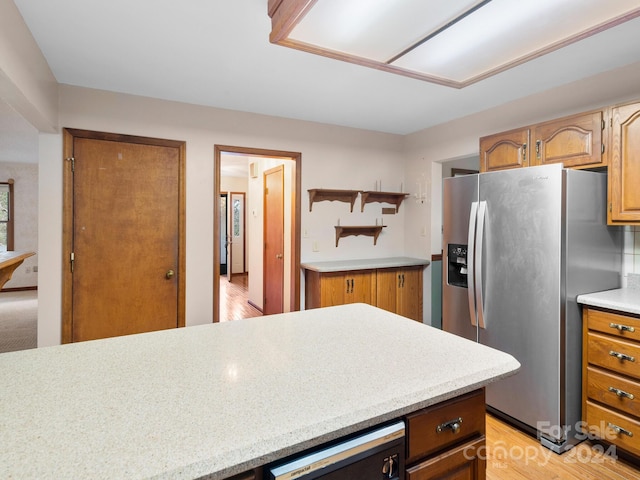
x=360, y=288
x=409, y=298
x=624, y=166
x=574, y=141
x=387, y=282
x=333, y=289
x=504, y=150
x=465, y=462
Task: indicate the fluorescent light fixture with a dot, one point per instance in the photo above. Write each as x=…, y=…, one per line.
x=450, y=42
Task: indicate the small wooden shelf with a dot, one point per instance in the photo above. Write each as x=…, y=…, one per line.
x=394, y=198
x=368, y=230
x=322, y=194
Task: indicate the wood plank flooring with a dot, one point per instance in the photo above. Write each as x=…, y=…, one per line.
x=513, y=455
x=234, y=299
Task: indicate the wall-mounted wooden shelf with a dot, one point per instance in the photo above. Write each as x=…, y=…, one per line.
x=322, y=194
x=394, y=198
x=368, y=230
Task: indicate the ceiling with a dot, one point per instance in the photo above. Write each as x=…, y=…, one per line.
x=217, y=53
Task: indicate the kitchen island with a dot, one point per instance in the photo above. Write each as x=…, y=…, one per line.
x=219, y=399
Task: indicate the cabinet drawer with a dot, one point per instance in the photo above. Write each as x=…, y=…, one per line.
x=620, y=326
x=604, y=423
x=464, y=461
x=617, y=355
x=434, y=428
x=613, y=390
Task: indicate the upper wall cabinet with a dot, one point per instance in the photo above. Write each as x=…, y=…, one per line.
x=505, y=150
x=624, y=166
x=574, y=141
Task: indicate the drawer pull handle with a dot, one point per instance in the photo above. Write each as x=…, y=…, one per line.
x=453, y=425
x=622, y=356
x=619, y=430
x=622, y=328
x=621, y=393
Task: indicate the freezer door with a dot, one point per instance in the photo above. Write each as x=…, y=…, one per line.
x=459, y=193
x=521, y=264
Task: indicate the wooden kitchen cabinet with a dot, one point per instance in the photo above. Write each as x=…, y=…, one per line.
x=575, y=141
x=327, y=289
x=611, y=377
x=505, y=150
x=395, y=289
x=399, y=290
x=447, y=441
x=624, y=166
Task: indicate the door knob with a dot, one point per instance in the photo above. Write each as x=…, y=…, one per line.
x=169, y=274
x=278, y=255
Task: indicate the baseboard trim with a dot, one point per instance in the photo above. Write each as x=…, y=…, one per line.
x=255, y=306
x=18, y=289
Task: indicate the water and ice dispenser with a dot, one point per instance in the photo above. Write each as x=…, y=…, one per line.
x=457, y=265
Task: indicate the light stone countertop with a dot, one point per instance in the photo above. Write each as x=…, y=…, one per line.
x=364, y=264
x=219, y=399
x=625, y=300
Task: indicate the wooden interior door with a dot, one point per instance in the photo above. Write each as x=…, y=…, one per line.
x=273, y=261
x=126, y=249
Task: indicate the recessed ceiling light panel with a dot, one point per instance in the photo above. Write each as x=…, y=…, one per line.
x=451, y=42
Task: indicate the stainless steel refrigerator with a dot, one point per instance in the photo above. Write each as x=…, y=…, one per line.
x=519, y=246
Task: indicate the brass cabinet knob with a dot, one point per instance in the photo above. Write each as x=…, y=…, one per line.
x=169, y=274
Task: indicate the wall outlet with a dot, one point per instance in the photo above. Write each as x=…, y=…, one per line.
x=315, y=247
x=35, y=269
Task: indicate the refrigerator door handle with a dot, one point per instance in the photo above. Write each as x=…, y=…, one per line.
x=482, y=211
x=470, y=262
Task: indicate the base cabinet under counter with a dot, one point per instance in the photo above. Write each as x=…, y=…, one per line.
x=443, y=441
x=448, y=440
x=611, y=377
x=395, y=289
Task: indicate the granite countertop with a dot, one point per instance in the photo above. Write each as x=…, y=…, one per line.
x=220, y=399
x=625, y=300
x=364, y=264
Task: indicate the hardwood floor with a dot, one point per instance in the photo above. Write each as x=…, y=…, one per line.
x=513, y=455
x=234, y=299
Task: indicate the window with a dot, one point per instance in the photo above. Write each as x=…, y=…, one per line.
x=6, y=216
x=236, y=218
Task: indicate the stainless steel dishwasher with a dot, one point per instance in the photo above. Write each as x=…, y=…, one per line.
x=374, y=455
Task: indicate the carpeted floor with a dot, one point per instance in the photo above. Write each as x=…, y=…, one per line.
x=18, y=320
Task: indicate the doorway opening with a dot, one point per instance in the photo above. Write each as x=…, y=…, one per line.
x=249, y=165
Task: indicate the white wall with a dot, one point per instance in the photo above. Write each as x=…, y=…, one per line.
x=26, y=82
x=25, y=204
x=233, y=184
x=332, y=157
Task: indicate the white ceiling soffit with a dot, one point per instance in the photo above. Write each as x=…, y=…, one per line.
x=449, y=42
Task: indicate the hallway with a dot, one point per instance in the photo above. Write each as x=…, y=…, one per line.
x=234, y=299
